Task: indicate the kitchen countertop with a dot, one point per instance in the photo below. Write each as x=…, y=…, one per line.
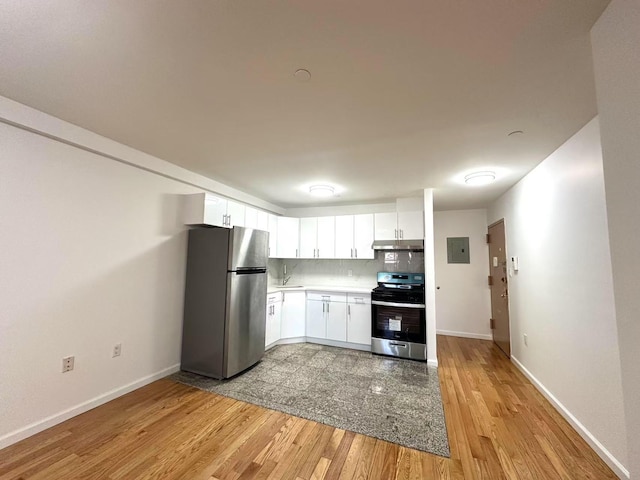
x=319, y=288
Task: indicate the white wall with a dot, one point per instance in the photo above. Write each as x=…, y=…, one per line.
x=430, y=278
x=463, y=303
x=616, y=51
x=562, y=297
x=92, y=253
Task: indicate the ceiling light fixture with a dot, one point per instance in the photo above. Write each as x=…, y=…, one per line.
x=322, y=190
x=480, y=178
x=302, y=75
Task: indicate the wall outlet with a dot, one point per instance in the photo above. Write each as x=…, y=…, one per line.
x=117, y=350
x=526, y=339
x=67, y=364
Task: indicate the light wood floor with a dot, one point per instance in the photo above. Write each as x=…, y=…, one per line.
x=499, y=426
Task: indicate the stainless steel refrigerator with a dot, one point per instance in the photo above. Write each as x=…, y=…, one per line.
x=225, y=300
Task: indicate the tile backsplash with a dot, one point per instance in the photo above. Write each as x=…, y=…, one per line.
x=361, y=273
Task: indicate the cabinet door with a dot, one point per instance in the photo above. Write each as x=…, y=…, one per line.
x=411, y=225
x=215, y=209
x=316, y=320
x=336, y=321
x=235, y=214
x=276, y=320
x=344, y=235
x=287, y=238
x=293, y=315
x=359, y=323
x=308, y=237
x=326, y=243
x=273, y=235
x=363, y=236
x=386, y=226
x=262, y=220
x=250, y=217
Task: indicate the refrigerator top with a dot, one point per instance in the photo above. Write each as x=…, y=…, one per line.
x=248, y=249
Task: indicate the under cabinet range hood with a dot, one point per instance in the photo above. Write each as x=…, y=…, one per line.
x=399, y=245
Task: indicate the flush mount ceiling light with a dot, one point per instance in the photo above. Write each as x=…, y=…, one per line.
x=302, y=75
x=480, y=178
x=322, y=190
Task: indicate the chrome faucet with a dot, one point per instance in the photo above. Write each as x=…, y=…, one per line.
x=285, y=279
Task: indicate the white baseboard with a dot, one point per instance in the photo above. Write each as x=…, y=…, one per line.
x=602, y=452
x=32, y=429
x=432, y=363
x=479, y=336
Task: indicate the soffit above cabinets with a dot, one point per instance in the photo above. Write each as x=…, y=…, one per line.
x=402, y=95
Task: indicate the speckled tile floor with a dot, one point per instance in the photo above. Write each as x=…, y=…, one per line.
x=391, y=399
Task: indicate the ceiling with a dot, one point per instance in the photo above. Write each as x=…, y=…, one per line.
x=403, y=95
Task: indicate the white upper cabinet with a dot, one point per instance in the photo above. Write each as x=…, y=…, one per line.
x=308, y=237
x=317, y=237
x=386, y=226
x=363, y=236
x=262, y=220
x=354, y=236
x=326, y=244
x=251, y=218
x=345, y=236
x=235, y=214
x=272, y=228
x=411, y=225
x=287, y=238
x=205, y=209
x=407, y=225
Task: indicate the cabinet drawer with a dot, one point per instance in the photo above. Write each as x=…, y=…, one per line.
x=328, y=296
x=274, y=298
x=363, y=298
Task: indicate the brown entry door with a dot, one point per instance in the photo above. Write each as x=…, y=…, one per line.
x=499, y=287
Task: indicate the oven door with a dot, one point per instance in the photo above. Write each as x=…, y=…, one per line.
x=397, y=321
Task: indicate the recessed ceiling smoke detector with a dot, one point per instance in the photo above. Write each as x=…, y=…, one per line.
x=322, y=190
x=302, y=75
x=480, y=178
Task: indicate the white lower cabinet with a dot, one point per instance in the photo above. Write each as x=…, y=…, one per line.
x=359, y=319
x=337, y=321
x=272, y=326
x=335, y=316
x=316, y=321
x=293, y=315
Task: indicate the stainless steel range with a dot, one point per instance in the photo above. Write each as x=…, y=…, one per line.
x=398, y=320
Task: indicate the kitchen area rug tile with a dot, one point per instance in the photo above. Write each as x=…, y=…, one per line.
x=391, y=399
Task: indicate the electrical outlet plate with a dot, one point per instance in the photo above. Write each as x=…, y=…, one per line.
x=117, y=350
x=67, y=364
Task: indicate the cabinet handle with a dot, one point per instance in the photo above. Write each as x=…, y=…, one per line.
x=228, y=220
x=328, y=307
x=323, y=306
x=401, y=233
x=395, y=232
x=352, y=253
x=356, y=251
x=349, y=310
x=296, y=253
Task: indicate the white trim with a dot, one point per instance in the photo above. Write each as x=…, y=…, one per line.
x=432, y=363
x=40, y=123
x=479, y=336
x=602, y=452
x=40, y=425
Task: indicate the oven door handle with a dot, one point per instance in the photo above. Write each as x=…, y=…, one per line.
x=393, y=304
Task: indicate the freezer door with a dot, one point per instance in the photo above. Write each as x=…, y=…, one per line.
x=248, y=248
x=245, y=321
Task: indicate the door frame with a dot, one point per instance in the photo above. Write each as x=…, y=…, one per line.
x=506, y=252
